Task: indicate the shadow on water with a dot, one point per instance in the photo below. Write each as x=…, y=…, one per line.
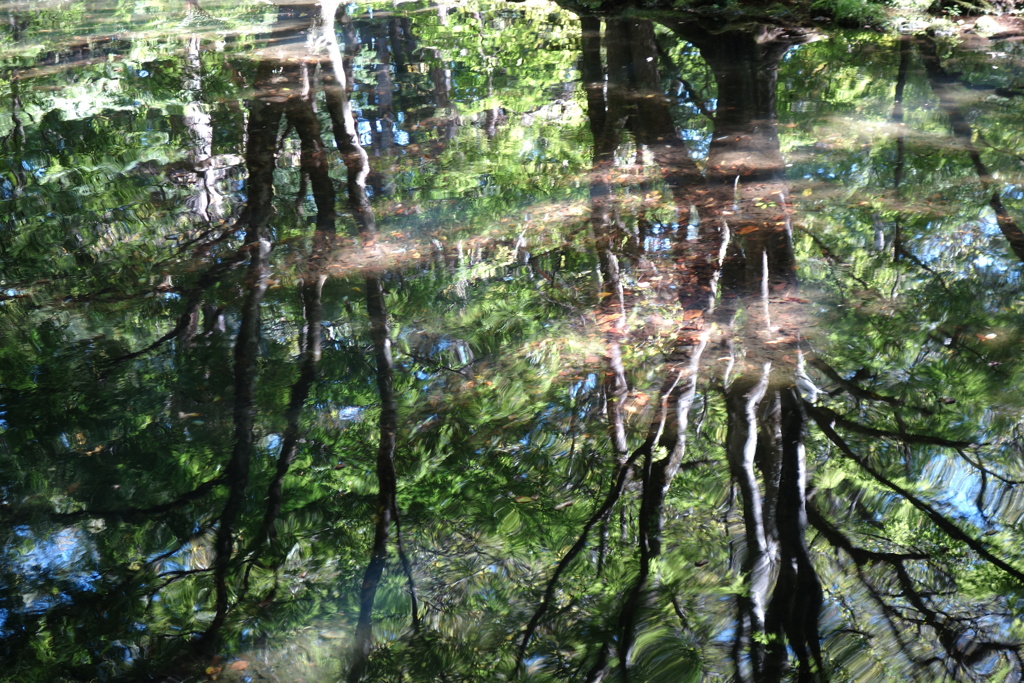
x=497, y=342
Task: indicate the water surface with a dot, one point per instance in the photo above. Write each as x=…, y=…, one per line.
x=491, y=342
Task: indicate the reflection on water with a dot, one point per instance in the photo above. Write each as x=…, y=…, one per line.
x=493, y=342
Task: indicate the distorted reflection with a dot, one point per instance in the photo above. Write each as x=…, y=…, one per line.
x=502, y=342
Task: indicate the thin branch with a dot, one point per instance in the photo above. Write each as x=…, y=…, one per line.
x=985, y=470
x=193, y=298
x=861, y=556
x=822, y=414
x=860, y=392
x=621, y=477
x=407, y=569
x=129, y=514
x=944, y=524
x=440, y=366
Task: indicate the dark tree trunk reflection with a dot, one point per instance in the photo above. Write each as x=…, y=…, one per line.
x=943, y=85
x=301, y=117
x=766, y=410
x=744, y=246
x=264, y=121
x=386, y=507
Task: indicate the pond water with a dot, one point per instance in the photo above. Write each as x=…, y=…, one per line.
x=482, y=342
